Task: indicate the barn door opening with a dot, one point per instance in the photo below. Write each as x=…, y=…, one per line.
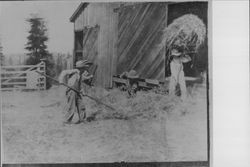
x=78, y=45
x=85, y=43
x=86, y=46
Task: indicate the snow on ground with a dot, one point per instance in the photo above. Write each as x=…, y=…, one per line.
x=150, y=127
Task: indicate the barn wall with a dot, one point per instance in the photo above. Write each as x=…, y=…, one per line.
x=139, y=33
x=101, y=14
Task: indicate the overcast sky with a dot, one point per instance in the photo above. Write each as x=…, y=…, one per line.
x=14, y=29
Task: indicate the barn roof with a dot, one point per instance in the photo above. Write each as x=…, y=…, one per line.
x=80, y=8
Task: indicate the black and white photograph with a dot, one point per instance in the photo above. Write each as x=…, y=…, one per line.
x=106, y=83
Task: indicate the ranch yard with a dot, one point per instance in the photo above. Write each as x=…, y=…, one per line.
x=149, y=128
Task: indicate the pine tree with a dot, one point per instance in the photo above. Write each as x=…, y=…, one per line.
x=37, y=39
x=37, y=48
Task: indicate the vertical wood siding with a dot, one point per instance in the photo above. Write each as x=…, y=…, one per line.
x=139, y=33
x=102, y=15
x=125, y=40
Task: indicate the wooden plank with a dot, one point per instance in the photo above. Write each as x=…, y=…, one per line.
x=19, y=66
x=186, y=78
x=91, y=47
x=74, y=48
x=19, y=77
x=105, y=60
x=114, y=46
x=17, y=88
x=86, y=37
x=14, y=72
x=11, y=89
x=152, y=81
x=22, y=84
x=14, y=83
x=109, y=58
x=143, y=84
x=119, y=80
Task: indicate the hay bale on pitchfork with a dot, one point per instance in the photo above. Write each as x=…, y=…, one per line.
x=187, y=31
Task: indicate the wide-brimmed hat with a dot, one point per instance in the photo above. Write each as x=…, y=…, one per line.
x=83, y=64
x=175, y=52
x=133, y=74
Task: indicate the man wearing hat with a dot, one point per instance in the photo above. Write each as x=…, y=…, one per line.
x=75, y=107
x=132, y=82
x=177, y=73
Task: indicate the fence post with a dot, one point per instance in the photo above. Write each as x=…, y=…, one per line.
x=44, y=72
x=42, y=81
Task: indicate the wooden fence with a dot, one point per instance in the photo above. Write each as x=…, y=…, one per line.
x=23, y=77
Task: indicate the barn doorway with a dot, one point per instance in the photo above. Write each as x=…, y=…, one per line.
x=86, y=43
x=86, y=46
x=78, y=45
x=199, y=61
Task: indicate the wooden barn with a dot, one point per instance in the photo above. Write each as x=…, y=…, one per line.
x=118, y=37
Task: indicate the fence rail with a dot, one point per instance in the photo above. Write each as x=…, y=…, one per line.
x=23, y=77
x=21, y=66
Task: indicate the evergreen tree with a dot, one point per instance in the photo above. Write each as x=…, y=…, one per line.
x=37, y=48
x=37, y=39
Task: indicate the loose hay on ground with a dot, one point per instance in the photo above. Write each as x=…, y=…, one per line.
x=146, y=104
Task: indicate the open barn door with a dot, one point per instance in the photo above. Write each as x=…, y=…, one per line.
x=86, y=46
x=78, y=45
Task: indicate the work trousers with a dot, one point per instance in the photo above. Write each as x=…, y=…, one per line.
x=75, y=108
x=177, y=77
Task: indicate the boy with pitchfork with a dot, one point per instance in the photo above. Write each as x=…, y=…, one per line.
x=75, y=107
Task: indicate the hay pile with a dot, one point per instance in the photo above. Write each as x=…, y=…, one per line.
x=146, y=105
x=187, y=31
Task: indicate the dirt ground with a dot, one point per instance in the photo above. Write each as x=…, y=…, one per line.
x=150, y=127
